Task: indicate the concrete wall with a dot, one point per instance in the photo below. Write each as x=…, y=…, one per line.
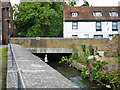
x=88, y=28
x=102, y=44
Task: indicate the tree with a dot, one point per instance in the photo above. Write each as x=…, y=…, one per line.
x=40, y=19
x=71, y=2
x=86, y=3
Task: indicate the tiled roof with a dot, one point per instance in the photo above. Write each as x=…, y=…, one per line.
x=86, y=13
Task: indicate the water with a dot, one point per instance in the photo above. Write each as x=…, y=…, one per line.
x=71, y=73
x=74, y=75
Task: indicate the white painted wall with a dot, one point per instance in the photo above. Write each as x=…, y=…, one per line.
x=119, y=27
x=88, y=28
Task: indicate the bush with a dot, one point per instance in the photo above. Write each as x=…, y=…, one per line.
x=65, y=60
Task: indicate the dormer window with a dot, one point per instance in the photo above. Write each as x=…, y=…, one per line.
x=74, y=14
x=97, y=14
x=113, y=14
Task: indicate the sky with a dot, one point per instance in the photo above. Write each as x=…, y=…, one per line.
x=91, y=2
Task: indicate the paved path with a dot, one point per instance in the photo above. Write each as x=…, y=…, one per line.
x=35, y=73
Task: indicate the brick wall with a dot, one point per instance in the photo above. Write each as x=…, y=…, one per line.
x=12, y=31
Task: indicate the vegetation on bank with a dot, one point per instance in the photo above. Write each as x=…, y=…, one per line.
x=95, y=68
x=4, y=66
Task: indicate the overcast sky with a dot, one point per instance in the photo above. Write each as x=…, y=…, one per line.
x=91, y=2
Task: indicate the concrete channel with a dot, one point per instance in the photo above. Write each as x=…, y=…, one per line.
x=27, y=71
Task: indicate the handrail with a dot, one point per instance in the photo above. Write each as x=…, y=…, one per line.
x=21, y=83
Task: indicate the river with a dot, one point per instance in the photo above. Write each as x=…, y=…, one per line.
x=69, y=72
x=75, y=76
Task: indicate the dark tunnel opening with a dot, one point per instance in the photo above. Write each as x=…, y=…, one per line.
x=52, y=57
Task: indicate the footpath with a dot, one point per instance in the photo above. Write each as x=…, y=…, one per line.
x=34, y=73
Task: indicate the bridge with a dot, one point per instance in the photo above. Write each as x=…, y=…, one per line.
x=25, y=70
x=64, y=45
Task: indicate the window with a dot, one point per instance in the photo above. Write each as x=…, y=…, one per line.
x=9, y=25
x=98, y=36
x=98, y=26
x=74, y=14
x=74, y=25
x=86, y=35
x=74, y=36
x=9, y=14
x=97, y=14
x=14, y=26
x=114, y=26
x=113, y=14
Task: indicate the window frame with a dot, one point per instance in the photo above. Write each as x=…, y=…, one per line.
x=113, y=12
x=74, y=14
x=116, y=26
x=75, y=25
x=100, y=26
x=95, y=14
x=98, y=35
x=74, y=36
x=14, y=26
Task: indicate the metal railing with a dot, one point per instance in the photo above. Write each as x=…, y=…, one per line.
x=21, y=84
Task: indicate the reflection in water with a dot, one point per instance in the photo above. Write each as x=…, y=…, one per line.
x=77, y=81
x=74, y=75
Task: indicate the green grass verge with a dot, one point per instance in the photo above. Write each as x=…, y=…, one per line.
x=4, y=66
x=4, y=54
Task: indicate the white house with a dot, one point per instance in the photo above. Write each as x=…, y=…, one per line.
x=90, y=22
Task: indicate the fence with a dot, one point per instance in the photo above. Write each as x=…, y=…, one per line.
x=21, y=84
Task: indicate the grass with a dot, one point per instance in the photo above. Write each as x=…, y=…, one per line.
x=4, y=54
x=4, y=66
x=0, y=69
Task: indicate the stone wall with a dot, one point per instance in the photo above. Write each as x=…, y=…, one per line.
x=102, y=44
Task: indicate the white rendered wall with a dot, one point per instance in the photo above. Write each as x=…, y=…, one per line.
x=119, y=27
x=88, y=28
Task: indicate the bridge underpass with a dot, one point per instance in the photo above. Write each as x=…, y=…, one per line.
x=27, y=71
x=52, y=57
x=53, y=54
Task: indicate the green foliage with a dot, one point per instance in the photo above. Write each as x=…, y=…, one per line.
x=86, y=3
x=40, y=19
x=113, y=77
x=83, y=73
x=65, y=60
x=71, y=2
x=83, y=48
x=75, y=53
x=98, y=54
x=96, y=70
x=4, y=54
x=91, y=49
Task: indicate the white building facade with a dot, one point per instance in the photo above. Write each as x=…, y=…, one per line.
x=90, y=22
